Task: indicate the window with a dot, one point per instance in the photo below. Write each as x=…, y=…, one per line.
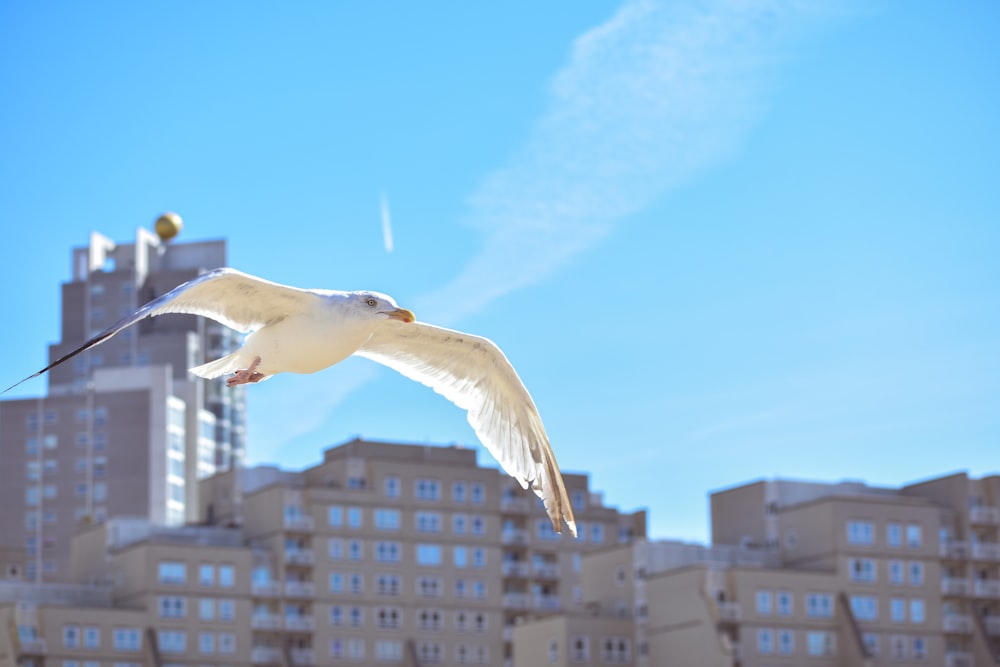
x=896, y=575
x=387, y=552
x=865, y=607
x=916, y=573
x=917, y=610
x=428, y=489
x=479, y=589
x=545, y=531
x=596, y=533
x=335, y=548
x=478, y=494
x=784, y=599
x=336, y=582
x=387, y=519
x=355, y=550
x=861, y=569
x=206, y=609
x=126, y=639
x=460, y=557
x=388, y=617
x=391, y=486
x=172, y=572
x=914, y=535
x=206, y=643
x=894, y=534
x=227, y=610
x=786, y=642
x=897, y=607
x=579, y=648
x=819, y=643
x=388, y=650
x=227, y=643
x=764, y=603
x=357, y=583
x=765, y=641
x=478, y=525
x=387, y=584
x=172, y=641
x=429, y=619
x=860, y=532
x=357, y=617
x=479, y=558
x=91, y=637
x=553, y=651
x=172, y=606
x=458, y=492
x=898, y=644
x=71, y=636
x=336, y=616
x=206, y=574
x=819, y=605
x=458, y=522
x=354, y=517
x=428, y=522
x=616, y=649
x=428, y=554
x=872, y=643
x=919, y=648
x=356, y=649
x=335, y=516
x=227, y=576
x=429, y=587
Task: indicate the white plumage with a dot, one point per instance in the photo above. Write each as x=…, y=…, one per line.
x=303, y=331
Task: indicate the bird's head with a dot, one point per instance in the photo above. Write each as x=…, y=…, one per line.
x=378, y=306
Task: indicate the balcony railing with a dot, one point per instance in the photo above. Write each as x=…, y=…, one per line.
x=957, y=623
x=955, y=586
x=514, y=536
x=301, y=523
x=516, y=569
x=954, y=549
x=516, y=600
x=992, y=624
x=547, y=602
x=547, y=570
x=730, y=612
x=958, y=659
x=986, y=551
x=265, y=655
x=300, y=623
x=268, y=589
x=300, y=557
x=300, y=589
x=265, y=622
x=985, y=514
x=986, y=588
x=303, y=656
x=518, y=505
x=33, y=646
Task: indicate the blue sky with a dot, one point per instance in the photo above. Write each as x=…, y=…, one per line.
x=719, y=240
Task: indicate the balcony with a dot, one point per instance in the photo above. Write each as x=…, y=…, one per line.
x=985, y=514
x=300, y=524
x=267, y=589
x=958, y=659
x=516, y=600
x=954, y=550
x=265, y=622
x=986, y=551
x=992, y=624
x=548, y=602
x=303, y=656
x=516, y=569
x=300, y=623
x=300, y=557
x=730, y=612
x=33, y=646
x=300, y=589
x=955, y=586
x=515, y=505
x=514, y=536
x=265, y=655
x=547, y=570
x=986, y=588
x=957, y=623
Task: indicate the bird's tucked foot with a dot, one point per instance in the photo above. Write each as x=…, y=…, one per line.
x=247, y=375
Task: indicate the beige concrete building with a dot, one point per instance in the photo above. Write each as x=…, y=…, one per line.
x=122, y=428
x=381, y=554
x=820, y=574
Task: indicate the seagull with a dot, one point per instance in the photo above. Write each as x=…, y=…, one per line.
x=293, y=330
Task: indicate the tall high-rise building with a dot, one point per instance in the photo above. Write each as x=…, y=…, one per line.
x=844, y=575
x=122, y=428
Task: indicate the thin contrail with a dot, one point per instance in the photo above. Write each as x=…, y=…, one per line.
x=386, y=224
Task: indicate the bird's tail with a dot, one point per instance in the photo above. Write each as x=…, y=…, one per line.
x=213, y=369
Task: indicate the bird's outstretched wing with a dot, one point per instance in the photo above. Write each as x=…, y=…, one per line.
x=474, y=374
x=237, y=300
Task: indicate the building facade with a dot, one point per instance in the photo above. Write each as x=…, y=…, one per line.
x=817, y=574
x=122, y=428
x=383, y=553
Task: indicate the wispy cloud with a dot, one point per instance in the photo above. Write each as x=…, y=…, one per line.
x=645, y=101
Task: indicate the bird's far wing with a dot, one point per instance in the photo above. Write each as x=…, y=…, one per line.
x=228, y=296
x=474, y=374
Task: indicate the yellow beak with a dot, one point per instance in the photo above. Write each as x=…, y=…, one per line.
x=402, y=314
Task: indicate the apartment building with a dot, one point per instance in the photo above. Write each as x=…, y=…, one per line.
x=383, y=553
x=121, y=428
x=816, y=574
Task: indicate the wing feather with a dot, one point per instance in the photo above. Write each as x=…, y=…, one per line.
x=473, y=373
x=233, y=298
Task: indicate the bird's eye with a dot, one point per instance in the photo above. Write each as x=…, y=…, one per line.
x=371, y=302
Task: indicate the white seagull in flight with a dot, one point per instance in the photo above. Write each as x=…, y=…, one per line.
x=306, y=330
